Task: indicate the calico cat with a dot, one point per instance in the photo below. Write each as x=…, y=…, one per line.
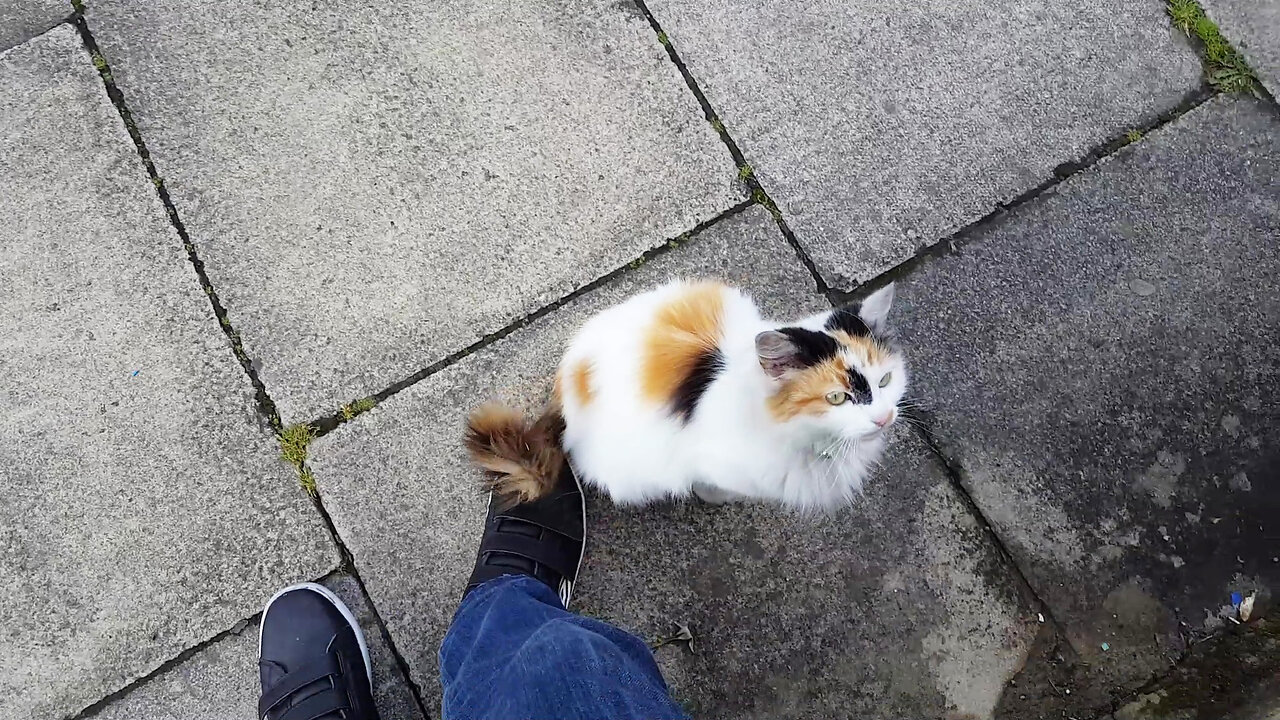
x=687, y=389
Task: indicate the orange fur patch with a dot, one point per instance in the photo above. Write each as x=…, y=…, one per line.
x=865, y=349
x=684, y=329
x=805, y=392
x=582, y=382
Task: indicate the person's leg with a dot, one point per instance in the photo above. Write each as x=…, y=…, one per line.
x=514, y=651
x=312, y=659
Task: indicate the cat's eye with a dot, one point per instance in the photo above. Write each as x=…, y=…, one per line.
x=837, y=397
x=885, y=380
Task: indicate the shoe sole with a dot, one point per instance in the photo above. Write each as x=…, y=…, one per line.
x=581, y=553
x=334, y=600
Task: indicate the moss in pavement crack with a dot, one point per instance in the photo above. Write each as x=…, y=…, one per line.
x=1225, y=66
x=355, y=407
x=294, y=441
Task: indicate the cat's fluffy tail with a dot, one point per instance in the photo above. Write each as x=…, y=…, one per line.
x=522, y=461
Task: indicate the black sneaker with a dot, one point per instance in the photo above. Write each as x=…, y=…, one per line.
x=312, y=659
x=543, y=539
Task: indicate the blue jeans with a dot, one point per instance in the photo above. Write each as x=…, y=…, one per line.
x=514, y=653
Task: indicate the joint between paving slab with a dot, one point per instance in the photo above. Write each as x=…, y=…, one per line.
x=295, y=442
x=925, y=432
x=266, y=406
x=746, y=175
x=954, y=243
x=164, y=667
x=401, y=664
x=238, y=629
x=348, y=566
x=69, y=18
x=324, y=425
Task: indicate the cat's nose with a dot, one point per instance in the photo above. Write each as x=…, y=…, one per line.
x=883, y=419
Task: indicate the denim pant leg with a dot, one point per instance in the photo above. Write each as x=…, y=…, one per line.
x=514, y=652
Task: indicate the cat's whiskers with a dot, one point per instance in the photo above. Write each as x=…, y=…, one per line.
x=826, y=453
x=845, y=445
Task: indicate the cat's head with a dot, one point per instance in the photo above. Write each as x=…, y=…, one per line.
x=837, y=373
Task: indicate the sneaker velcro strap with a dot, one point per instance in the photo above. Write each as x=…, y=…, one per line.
x=555, y=552
x=329, y=701
x=549, y=513
x=319, y=669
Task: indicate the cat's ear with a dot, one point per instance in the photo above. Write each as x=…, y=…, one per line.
x=778, y=353
x=875, y=308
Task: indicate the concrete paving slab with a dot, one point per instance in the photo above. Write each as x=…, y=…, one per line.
x=373, y=186
x=896, y=606
x=1232, y=677
x=1253, y=26
x=143, y=507
x=883, y=127
x=220, y=681
x=1102, y=363
x=22, y=20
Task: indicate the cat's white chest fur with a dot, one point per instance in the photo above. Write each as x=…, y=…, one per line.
x=687, y=388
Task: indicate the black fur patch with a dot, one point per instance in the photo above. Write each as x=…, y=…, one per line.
x=813, y=347
x=860, y=388
x=704, y=372
x=848, y=320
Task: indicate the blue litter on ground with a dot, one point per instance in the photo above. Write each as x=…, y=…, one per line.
x=1106, y=647
x=1236, y=598
x=135, y=373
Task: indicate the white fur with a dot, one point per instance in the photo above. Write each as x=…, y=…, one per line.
x=637, y=451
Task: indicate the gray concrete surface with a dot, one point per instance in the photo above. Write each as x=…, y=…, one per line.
x=794, y=615
x=143, y=508
x=217, y=682
x=882, y=127
x=1232, y=677
x=21, y=20
x=374, y=186
x=1102, y=363
x=897, y=608
x=220, y=681
x=1253, y=26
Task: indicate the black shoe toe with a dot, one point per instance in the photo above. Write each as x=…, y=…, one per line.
x=312, y=659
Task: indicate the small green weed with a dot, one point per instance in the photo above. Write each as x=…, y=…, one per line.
x=662, y=38
x=308, y=481
x=745, y=172
x=293, y=443
x=1133, y=136
x=356, y=407
x=717, y=125
x=77, y=5
x=1225, y=66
